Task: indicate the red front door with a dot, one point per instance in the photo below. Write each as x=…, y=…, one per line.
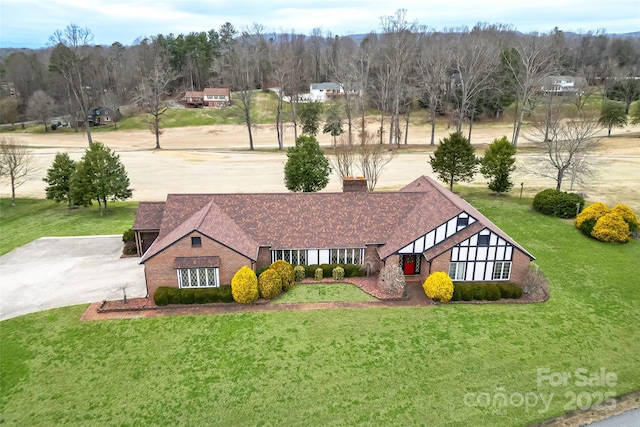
x=409, y=264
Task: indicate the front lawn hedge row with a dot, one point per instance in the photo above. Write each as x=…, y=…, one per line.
x=468, y=291
x=350, y=270
x=165, y=295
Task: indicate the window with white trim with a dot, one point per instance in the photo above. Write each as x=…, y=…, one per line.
x=501, y=270
x=198, y=278
x=457, y=270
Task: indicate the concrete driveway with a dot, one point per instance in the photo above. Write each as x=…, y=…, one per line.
x=59, y=271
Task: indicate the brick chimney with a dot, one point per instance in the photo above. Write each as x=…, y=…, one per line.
x=357, y=184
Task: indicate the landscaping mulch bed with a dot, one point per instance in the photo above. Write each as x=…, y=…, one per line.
x=366, y=284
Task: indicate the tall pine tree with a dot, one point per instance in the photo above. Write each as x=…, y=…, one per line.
x=59, y=177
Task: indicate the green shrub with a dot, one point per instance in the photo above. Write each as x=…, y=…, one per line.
x=200, y=296
x=186, y=296
x=457, y=292
x=479, y=291
x=285, y=270
x=327, y=269
x=262, y=270
x=129, y=236
x=130, y=248
x=438, y=286
x=269, y=284
x=516, y=291
x=173, y=295
x=160, y=296
x=299, y=273
x=244, y=286
x=338, y=273
x=493, y=293
x=354, y=270
x=224, y=294
x=505, y=290
x=318, y=274
x=466, y=291
x=557, y=203
x=311, y=270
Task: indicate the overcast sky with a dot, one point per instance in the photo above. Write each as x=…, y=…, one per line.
x=29, y=23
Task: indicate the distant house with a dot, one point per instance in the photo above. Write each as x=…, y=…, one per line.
x=563, y=85
x=217, y=97
x=322, y=92
x=102, y=116
x=201, y=240
x=193, y=99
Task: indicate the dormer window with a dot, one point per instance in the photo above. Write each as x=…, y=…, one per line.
x=463, y=221
x=196, y=242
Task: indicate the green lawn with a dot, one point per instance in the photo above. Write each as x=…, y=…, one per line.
x=334, y=292
x=31, y=219
x=374, y=366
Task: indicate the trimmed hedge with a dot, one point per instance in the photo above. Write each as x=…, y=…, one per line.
x=558, y=203
x=350, y=270
x=338, y=273
x=191, y=295
x=319, y=274
x=129, y=236
x=299, y=273
x=468, y=291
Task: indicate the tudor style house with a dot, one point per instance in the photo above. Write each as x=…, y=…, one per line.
x=201, y=240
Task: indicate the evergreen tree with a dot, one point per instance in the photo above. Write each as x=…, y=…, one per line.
x=333, y=122
x=310, y=117
x=100, y=176
x=59, y=179
x=307, y=169
x=612, y=115
x=454, y=160
x=497, y=164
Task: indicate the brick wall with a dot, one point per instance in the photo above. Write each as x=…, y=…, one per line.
x=159, y=270
x=264, y=257
x=519, y=267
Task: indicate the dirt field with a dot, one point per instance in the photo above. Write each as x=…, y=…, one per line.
x=216, y=159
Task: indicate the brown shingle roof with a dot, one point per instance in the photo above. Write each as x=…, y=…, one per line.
x=149, y=216
x=193, y=94
x=217, y=91
x=244, y=222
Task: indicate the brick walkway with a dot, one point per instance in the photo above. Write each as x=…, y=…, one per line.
x=144, y=307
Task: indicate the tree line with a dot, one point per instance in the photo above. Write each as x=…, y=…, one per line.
x=463, y=74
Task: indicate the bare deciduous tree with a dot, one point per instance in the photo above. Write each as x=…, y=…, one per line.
x=40, y=108
x=69, y=59
x=371, y=159
x=152, y=92
x=568, y=146
x=531, y=60
x=15, y=164
x=343, y=159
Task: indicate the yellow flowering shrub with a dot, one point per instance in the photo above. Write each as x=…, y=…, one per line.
x=611, y=228
x=269, y=284
x=586, y=220
x=628, y=216
x=285, y=270
x=244, y=286
x=438, y=286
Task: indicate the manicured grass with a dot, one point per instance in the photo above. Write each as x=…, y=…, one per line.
x=31, y=219
x=334, y=292
x=374, y=366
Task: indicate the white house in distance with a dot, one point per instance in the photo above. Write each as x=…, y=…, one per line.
x=563, y=84
x=322, y=92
